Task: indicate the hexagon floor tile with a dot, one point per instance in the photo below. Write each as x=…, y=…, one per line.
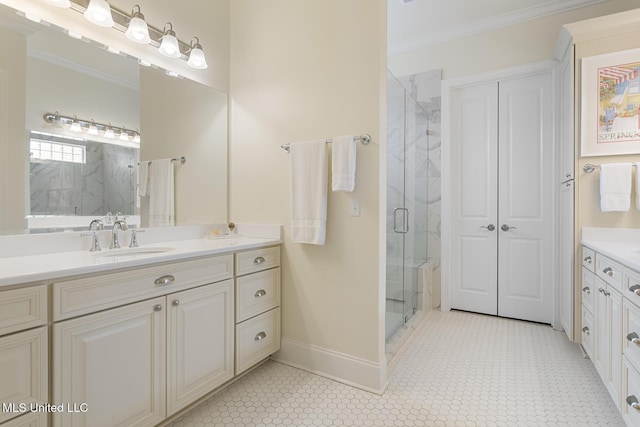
x=458, y=369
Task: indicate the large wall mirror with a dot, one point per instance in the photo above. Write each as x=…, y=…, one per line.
x=72, y=176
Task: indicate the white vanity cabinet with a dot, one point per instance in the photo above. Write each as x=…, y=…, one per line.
x=23, y=355
x=257, y=306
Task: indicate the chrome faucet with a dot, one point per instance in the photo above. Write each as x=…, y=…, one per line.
x=96, y=224
x=117, y=225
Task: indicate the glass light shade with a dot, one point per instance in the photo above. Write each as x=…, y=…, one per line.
x=196, y=59
x=138, y=31
x=99, y=12
x=109, y=133
x=93, y=129
x=169, y=46
x=124, y=136
x=59, y=3
x=136, y=138
x=75, y=127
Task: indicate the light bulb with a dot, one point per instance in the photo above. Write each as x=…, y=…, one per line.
x=99, y=12
x=169, y=46
x=59, y=3
x=196, y=56
x=138, y=30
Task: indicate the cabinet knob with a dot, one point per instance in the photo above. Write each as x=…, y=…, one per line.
x=608, y=271
x=176, y=302
x=633, y=402
x=158, y=307
x=634, y=338
x=260, y=336
x=260, y=293
x=259, y=260
x=164, y=280
x=586, y=290
x=586, y=330
x=635, y=289
x=587, y=259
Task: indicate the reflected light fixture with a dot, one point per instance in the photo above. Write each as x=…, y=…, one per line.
x=93, y=129
x=59, y=3
x=109, y=132
x=169, y=46
x=138, y=30
x=196, y=55
x=99, y=12
x=75, y=125
x=124, y=136
x=136, y=137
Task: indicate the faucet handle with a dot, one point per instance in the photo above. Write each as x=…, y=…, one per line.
x=134, y=237
x=95, y=242
x=96, y=224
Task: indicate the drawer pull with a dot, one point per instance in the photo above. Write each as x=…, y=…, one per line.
x=260, y=336
x=260, y=293
x=586, y=330
x=608, y=271
x=158, y=307
x=586, y=290
x=587, y=260
x=633, y=402
x=635, y=289
x=259, y=260
x=164, y=280
x=634, y=338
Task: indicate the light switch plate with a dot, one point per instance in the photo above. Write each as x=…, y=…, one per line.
x=355, y=207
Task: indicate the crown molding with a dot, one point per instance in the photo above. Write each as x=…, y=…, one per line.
x=548, y=8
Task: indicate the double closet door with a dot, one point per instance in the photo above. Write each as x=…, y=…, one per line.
x=502, y=201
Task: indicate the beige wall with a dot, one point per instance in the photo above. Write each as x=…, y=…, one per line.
x=519, y=44
x=300, y=71
x=13, y=136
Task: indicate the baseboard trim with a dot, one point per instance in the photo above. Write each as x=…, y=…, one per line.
x=344, y=368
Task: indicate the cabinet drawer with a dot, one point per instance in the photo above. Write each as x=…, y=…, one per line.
x=610, y=271
x=631, y=331
x=588, y=258
x=631, y=286
x=23, y=309
x=257, y=260
x=81, y=296
x=257, y=293
x=588, y=289
x=630, y=394
x=23, y=370
x=587, y=332
x=256, y=339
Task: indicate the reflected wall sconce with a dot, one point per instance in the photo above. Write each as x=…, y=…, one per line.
x=92, y=128
x=135, y=28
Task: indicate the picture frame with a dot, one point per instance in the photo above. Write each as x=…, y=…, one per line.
x=610, y=107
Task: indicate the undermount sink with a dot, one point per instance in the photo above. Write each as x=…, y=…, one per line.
x=134, y=251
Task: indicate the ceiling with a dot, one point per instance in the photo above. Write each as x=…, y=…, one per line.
x=413, y=24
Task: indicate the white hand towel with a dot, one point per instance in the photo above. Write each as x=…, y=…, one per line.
x=343, y=164
x=615, y=187
x=309, y=192
x=161, y=194
x=143, y=178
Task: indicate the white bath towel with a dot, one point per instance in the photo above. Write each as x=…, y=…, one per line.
x=615, y=187
x=343, y=164
x=143, y=178
x=309, y=192
x=161, y=194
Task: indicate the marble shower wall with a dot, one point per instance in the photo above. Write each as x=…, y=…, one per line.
x=105, y=183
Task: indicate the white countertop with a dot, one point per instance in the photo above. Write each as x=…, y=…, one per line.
x=620, y=244
x=40, y=267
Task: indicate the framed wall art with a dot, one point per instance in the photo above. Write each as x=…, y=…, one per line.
x=610, y=110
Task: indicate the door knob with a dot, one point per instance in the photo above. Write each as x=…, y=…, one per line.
x=489, y=227
x=505, y=227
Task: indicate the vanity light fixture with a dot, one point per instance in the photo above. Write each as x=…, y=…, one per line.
x=93, y=129
x=99, y=12
x=138, y=30
x=136, y=137
x=109, y=133
x=169, y=45
x=59, y=3
x=124, y=136
x=75, y=125
x=196, y=55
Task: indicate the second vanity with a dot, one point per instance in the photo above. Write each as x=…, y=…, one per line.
x=134, y=338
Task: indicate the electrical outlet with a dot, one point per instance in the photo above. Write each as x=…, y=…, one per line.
x=355, y=207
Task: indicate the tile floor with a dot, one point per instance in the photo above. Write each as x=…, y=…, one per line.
x=458, y=369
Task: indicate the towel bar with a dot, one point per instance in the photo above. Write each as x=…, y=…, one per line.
x=364, y=138
x=589, y=168
x=182, y=160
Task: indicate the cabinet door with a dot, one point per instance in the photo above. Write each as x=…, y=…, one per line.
x=613, y=378
x=601, y=329
x=201, y=326
x=23, y=371
x=113, y=361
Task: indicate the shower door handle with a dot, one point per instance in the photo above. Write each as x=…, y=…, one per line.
x=405, y=220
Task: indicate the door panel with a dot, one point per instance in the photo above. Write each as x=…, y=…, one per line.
x=474, y=206
x=525, y=262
